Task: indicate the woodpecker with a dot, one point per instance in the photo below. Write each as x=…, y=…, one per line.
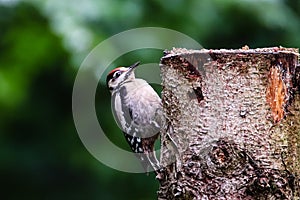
x=137, y=110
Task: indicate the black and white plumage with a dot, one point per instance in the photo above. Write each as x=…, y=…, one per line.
x=138, y=112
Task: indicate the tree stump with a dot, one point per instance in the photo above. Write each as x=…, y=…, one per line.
x=232, y=124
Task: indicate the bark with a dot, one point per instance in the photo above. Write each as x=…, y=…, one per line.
x=232, y=124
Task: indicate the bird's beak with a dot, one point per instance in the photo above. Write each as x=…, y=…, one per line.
x=131, y=69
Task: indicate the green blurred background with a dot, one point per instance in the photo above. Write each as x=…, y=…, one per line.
x=43, y=43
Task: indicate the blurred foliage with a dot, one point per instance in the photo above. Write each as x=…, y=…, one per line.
x=42, y=44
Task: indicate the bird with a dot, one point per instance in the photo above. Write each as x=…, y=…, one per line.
x=137, y=110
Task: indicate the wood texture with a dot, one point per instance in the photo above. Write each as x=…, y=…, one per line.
x=232, y=124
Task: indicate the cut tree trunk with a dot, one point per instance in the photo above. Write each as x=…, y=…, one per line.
x=232, y=124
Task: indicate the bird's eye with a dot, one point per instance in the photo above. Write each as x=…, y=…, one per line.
x=117, y=74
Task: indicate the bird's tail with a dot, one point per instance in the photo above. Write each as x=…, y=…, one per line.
x=149, y=161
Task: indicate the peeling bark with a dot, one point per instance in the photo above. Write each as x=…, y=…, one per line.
x=232, y=124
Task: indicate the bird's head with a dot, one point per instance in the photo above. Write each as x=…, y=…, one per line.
x=118, y=76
